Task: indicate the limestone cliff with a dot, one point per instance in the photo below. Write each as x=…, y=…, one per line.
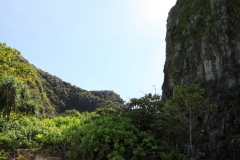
x=203, y=45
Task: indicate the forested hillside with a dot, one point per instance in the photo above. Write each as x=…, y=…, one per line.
x=50, y=93
x=64, y=96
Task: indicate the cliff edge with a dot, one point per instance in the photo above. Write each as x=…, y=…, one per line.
x=203, y=45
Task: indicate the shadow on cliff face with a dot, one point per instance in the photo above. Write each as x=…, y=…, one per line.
x=203, y=45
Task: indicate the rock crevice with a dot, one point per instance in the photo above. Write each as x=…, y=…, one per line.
x=203, y=45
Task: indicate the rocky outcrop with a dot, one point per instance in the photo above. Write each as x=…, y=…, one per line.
x=203, y=45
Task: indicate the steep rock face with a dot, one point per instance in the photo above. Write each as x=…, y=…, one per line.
x=203, y=45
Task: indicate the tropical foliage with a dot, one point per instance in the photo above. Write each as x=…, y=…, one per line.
x=14, y=97
x=12, y=63
x=144, y=128
x=41, y=112
x=84, y=137
x=50, y=93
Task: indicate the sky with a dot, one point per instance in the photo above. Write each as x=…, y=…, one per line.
x=116, y=45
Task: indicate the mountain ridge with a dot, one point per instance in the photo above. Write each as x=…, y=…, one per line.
x=52, y=94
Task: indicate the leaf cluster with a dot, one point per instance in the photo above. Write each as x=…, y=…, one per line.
x=12, y=63
x=144, y=111
x=83, y=137
x=14, y=97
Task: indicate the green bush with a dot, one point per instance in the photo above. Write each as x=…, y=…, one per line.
x=144, y=112
x=102, y=137
x=3, y=155
x=84, y=137
x=112, y=137
x=21, y=133
x=31, y=132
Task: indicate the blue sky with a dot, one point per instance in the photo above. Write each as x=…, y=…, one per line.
x=114, y=45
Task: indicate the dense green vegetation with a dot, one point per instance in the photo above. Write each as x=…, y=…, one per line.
x=42, y=113
x=143, y=128
x=50, y=94
x=12, y=63
x=15, y=97
x=63, y=95
x=45, y=115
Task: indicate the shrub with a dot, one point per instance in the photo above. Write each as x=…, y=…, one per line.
x=102, y=137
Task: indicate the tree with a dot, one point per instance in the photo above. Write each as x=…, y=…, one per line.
x=144, y=111
x=175, y=126
x=186, y=106
x=14, y=97
x=108, y=110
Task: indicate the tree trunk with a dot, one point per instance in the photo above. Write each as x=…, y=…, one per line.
x=190, y=132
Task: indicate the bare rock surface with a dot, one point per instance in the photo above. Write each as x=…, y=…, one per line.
x=203, y=45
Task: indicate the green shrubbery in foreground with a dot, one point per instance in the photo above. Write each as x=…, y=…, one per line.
x=83, y=137
x=144, y=128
